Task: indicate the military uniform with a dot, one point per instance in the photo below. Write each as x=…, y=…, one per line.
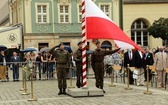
x=63, y=62
x=97, y=63
x=78, y=61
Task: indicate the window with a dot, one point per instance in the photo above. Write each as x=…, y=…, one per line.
x=80, y=13
x=66, y=43
x=42, y=45
x=42, y=13
x=139, y=33
x=64, y=13
x=105, y=9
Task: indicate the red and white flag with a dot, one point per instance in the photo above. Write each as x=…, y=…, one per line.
x=100, y=26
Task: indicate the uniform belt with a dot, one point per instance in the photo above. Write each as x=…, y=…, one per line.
x=61, y=63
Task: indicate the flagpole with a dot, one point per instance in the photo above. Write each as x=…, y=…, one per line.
x=121, y=13
x=84, y=45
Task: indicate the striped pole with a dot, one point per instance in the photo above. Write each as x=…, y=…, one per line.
x=84, y=44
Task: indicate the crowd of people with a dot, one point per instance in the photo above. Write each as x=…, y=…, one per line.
x=139, y=59
x=100, y=59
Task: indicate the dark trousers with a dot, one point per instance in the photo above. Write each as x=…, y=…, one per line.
x=79, y=78
x=131, y=79
x=50, y=69
x=61, y=75
x=39, y=69
x=99, y=76
x=15, y=72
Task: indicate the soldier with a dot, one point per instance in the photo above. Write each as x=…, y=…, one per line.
x=63, y=62
x=78, y=61
x=97, y=58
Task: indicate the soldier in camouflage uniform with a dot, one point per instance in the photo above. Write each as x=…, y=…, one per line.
x=97, y=58
x=78, y=61
x=63, y=63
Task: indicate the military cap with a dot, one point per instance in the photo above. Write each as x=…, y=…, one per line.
x=61, y=44
x=97, y=42
x=79, y=43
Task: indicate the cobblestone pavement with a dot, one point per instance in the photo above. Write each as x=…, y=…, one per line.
x=46, y=93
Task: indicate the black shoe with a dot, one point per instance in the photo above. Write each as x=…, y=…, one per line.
x=60, y=92
x=104, y=91
x=64, y=92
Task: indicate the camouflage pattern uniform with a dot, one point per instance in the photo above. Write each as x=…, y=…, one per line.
x=63, y=62
x=78, y=61
x=97, y=63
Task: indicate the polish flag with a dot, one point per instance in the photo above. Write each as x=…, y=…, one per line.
x=100, y=26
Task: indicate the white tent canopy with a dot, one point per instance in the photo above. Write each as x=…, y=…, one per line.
x=11, y=37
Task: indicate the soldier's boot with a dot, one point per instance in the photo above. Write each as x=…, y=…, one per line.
x=97, y=86
x=64, y=91
x=101, y=87
x=60, y=92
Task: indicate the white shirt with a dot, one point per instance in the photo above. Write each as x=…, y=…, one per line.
x=140, y=53
x=130, y=55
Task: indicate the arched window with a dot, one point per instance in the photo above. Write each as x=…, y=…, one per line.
x=139, y=33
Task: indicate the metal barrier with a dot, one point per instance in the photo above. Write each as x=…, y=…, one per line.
x=148, y=92
x=128, y=71
x=41, y=71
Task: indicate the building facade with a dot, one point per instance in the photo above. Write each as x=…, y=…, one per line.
x=49, y=22
x=4, y=10
x=138, y=15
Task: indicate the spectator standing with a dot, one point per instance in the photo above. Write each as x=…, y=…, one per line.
x=161, y=63
x=44, y=59
x=51, y=62
x=139, y=64
x=148, y=61
x=129, y=58
x=15, y=66
x=39, y=63
x=3, y=60
x=33, y=59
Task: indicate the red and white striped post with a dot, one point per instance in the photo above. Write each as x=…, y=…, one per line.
x=84, y=44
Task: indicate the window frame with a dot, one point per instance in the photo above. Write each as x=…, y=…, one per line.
x=44, y=14
x=69, y=12
x=79, y=13
x=110, y=8
x=135, y=30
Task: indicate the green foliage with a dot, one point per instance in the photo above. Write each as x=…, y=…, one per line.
x=159, y=29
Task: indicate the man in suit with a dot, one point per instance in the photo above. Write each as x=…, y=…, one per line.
x=129, y=58
x=15, y=66
x=148, y=61
x=161, y=63
x=139, y=64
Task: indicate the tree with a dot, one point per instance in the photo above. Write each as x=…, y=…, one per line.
x=159, y=29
